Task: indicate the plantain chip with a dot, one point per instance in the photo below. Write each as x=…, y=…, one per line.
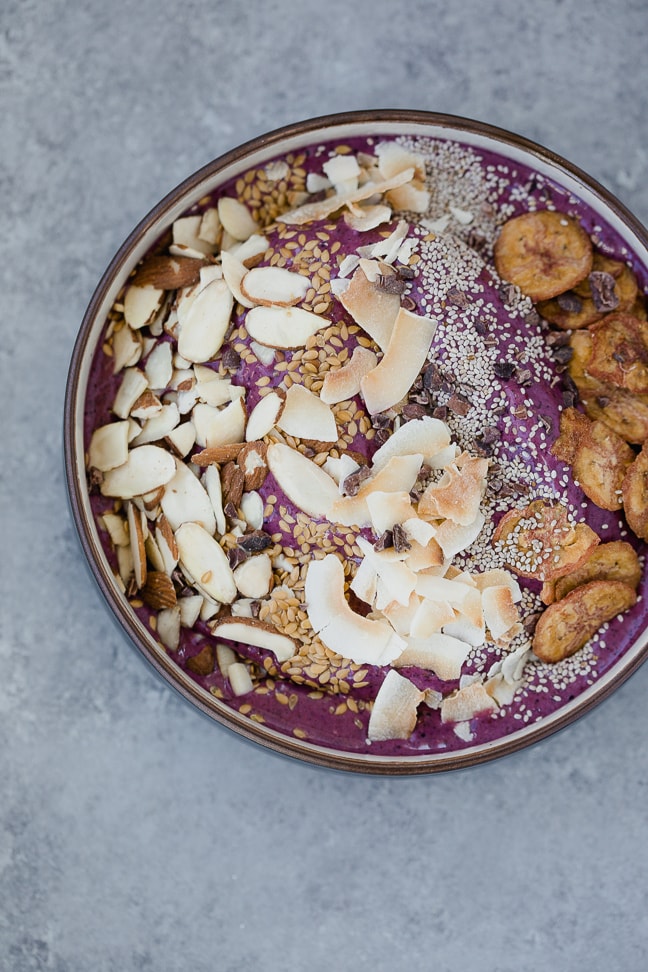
x=619, y=352
x=635, y=495
x=616, y=561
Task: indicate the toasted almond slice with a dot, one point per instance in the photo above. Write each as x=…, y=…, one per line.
x=203, y=327
x=440, y=653
x=320, y=210
x=146, y=468
x=254, y=576
x=283, y=327
x=274, y=285
x=222, y=453
x=233, y=272
x=405, y=355
x=375, y=310
x=306, y=416
x=186, y=236
x=306, y=485
x=147, y=406
x=360, y=639
x=158, y=591
x=141, y=305
x=218, y=392
x=265, y=415
x=265, y=355
x=154, y=555
x=366, y=218
x=205, y=562
x=217, y=427
x=185, y=500
x=138, y=549
x=344, y=383
x=108, y=446
x=394, y=712
x=182, y=438
x=500, y=612
x=236, y=218
x=124, y=565
x=212, y=483
x=466, y=703
x=427, y=436
x=253, y=461
x=251, y=251
x=126, y=347
x=133, y=385
x=168, y=627
x=249, y=631
x=159, y=426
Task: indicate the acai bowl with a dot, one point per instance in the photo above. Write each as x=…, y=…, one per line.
x=354, y=441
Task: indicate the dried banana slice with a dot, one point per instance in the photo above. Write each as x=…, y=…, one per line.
x=611, y=286
x=635, y=495
x=599, y=457
x=619, y=352
x=616, y=561
x=625, y=413
x=542, y=542
x=567, y=625
x=543, y=253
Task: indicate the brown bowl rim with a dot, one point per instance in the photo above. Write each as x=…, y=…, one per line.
x=311, y=753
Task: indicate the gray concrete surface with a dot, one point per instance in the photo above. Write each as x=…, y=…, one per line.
x=134, y=834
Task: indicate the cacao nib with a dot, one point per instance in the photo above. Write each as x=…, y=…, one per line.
x=352, y=483
x=504, y=369
x=407, y=273
x=413, y=411
x=236, y=556
x=401, y=543
x=570, y=302
x=231, y=359
x=603, y=291
x=255, y=541
x=458, y=297
x=391, y=284
x=384, y=541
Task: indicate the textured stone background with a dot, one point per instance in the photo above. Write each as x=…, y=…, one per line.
x=134, y=834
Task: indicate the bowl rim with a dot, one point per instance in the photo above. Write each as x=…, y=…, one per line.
x=365, y=763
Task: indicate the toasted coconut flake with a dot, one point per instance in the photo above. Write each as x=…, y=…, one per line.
x=204, y=325
x=306, y=416
x=283, y=327
x=405, y=355
x=388, y=509
x=205, y=562
x=320, y=210
x=141, y=305
x=374, y=309
x=265, y=415
x=426, y=436
x=306, y=485
x=146, y=468
x=440, y=653
x=108, y=446
x=500, y=612
x=236, y=218
x=468, y=624
x=186, y=500
x=364, y=582
x=253, y=577
x=394, y=158
x=430, y=618
x=362, y=640
x=411, y=198
x=398, y=581
x=343, y=383
x=274, y=285
x=394, y=712
x=249, y=631
x=453, y=537
x=466, y=703
x=367, y=217
x=458, y=493
x=398, y=474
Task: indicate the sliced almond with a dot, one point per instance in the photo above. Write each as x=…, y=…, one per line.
x=158, y=591
x=306, y=485
x=440, y=653
x=343, y=383
x=168, y=627
x=147, y=406
x=265, y=415
x=225, y=656
x=252, y=460
x=375, y=310
x=206, y=563
x=236, y=218
x=466, y=703
x=182, y=438
x=240, y=679
x=190, y=609
x=249, y=631
x=126, y=347
x=165, y=272
x=203, y=327
x=133, y=385
x=360, y=639
x=213, y=485
x=222, y=453
x=186, y=500
x=233, y=272
x=394, y=711
x=115, y=526
x=405, y=355
x=283, y=327
x=138, y=549
x=217, y=427
x=159, y=367
x=254, y=576
x=306, y=416
x=252, y=508
x=274, y=285
x=166, y=544
x=108, y=446
x=141, y=305
x=146, y=468
x=159, y=426
x=187, y=238
x=251, y=251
